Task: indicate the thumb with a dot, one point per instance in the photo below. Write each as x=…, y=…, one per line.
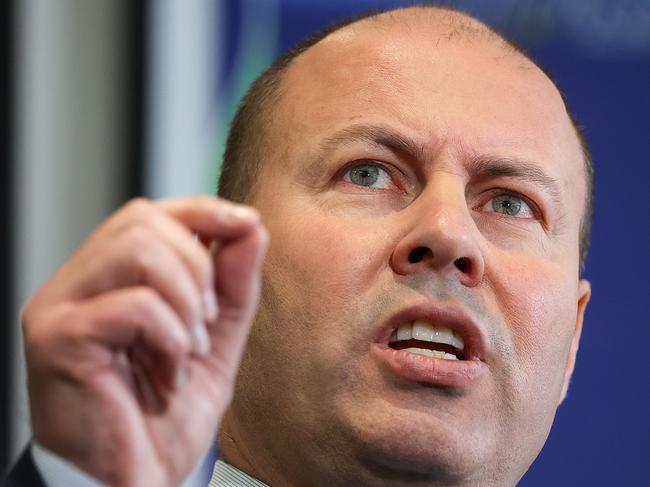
x=238, y=267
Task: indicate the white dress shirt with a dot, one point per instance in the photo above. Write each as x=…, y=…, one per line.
x=57, y=472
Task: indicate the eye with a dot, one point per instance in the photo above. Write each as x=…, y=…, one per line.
x=509, y=205
x=369, y=175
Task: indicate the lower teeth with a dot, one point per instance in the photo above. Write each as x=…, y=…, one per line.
x=431, y=353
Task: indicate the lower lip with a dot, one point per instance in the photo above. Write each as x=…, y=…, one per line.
x=429, y=370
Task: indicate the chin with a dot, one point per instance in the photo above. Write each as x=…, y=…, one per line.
x=393, y=443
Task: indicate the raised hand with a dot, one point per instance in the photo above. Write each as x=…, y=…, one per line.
x=133, y=345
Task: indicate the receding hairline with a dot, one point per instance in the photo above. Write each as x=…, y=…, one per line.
x=453, y=26
x=457, y=26
x=460, y=26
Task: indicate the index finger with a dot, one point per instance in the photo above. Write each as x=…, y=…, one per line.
x=211, y=217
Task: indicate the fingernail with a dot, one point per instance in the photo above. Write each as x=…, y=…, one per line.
x=239, y=213
x=210, y=305
x=200, y=339
x=181, y=377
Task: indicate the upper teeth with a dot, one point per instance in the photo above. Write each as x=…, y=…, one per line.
x=426, y=332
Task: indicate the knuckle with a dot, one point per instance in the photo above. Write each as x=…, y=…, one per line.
x=152, y=312
x=44, y=330
x=141, y=211
x=139, y=205
x=150, y=309
x=145, y=301
x=140, y=243
x=137, y=233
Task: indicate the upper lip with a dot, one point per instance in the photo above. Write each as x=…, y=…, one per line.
x=443, y=314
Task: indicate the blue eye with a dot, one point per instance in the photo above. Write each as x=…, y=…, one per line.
x=368, y=175
x=510, y=205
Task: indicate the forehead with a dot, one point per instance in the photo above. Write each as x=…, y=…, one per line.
x=467, y=90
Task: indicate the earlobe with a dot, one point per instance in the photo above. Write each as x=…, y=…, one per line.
x=584, y=294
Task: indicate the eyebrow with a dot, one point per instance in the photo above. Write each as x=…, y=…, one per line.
x=517, y=169
x=375, y=135
x=480, y=166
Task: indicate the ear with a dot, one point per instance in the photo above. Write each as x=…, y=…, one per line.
x=584, y=292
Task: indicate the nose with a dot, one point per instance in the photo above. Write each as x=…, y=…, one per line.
x=440, y=238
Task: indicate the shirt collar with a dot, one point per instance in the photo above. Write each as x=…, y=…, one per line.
x=225, y=475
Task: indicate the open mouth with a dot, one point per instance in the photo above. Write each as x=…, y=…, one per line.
x=423, y=338
x=433, y=343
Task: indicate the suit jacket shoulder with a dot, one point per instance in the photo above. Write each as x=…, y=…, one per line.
x=23, y=473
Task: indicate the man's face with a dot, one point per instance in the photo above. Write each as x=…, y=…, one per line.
x=412, y=178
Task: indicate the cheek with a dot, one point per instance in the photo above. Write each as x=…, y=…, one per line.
x=333, y=262
x=324, y=287
x=314, y=295
x=535, y=301
x=538, y=305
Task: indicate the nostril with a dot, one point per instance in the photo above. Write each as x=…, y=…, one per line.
x=418, y=254
x=462, y=264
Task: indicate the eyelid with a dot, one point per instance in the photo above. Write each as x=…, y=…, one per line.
x=397, y=176
x=538, y=214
